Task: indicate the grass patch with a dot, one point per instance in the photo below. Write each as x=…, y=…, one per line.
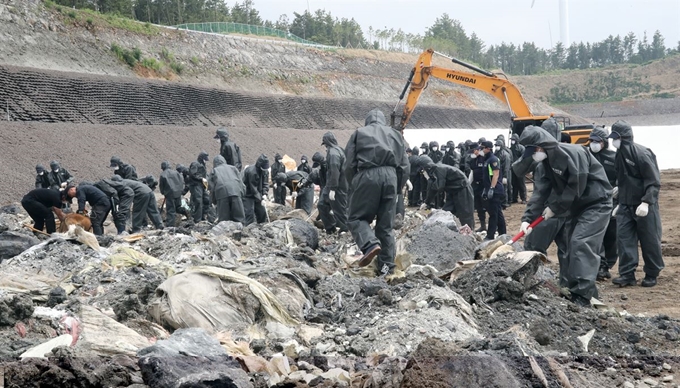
x=178, y=68
x=194, y=60
x=96, y=19
x=131, y=57
x=152, y=64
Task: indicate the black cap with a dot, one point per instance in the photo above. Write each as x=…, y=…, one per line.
x=595, y=138
x=614, y=135
x=486, y=144
x=165, y=165
x=39, y=168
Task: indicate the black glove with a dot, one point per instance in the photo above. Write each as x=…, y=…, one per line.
x=487, y=195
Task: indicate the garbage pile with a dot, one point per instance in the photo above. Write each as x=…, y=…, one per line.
x=283, y=305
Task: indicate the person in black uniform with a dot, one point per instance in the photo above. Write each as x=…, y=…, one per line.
x=228, y=149
x=171, y=184
x=637, y=214
x=99, y=204
x=476, y=178
x=255, y=178
x=279, y=190
x=59, y=177
x=304, y=165
x=125, y=171
x=493, y=192
x=198, y=185
x=40, y=205
x=301, y=188
x=519, y=187
x=42, y=180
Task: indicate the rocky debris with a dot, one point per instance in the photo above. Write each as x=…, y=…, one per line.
x=439, y=246
x=190, y=358
x=293, y=231
x=13, y=243
x=14, y=309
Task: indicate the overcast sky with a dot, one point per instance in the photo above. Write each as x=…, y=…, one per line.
x=495, y=21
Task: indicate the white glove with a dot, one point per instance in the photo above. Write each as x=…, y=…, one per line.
x=263, y=203
x=505, y=181
x=615, y=192
x=294, y=195
x=205, y=181
x=409, y=185
x=331, y=195
x=616, y=209
x=470, y=178
x=642, y=210
x=264, y=198
x=525, y=228
x=548, y=213
x=63, y=185
x=423, y=206
x=276, y=186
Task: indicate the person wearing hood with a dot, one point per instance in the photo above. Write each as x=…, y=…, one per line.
x=198, y=185
x=150, y=181
x=182, y=169
x=493, y=192
x=319, y=163
x=100, y=206
x=637, y=214
x=42, y=204
x=519, y=187
x=42, y=180
x=599, y=147
x=171, y=184
x=226, y=191
x=377, y=168
x=451, y=157
x=279, y=191
x=476, y=178
x=452, y=181
x=334, y=195
x=228, y=149
x=577, y=185
x=143, y=205
x=256, y=180
x=415, y=194
x=505, y=157
x=125, y=171
x=301, y=188
x=434, y=152
x=556, y=228
x=120, y=197
x=58, y=176
x=304, y=165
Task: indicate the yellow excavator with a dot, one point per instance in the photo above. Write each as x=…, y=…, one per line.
x=486, y=81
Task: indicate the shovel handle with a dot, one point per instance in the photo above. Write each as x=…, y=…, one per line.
x=521, y=234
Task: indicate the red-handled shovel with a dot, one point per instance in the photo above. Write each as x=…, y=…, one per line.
x=521, y=234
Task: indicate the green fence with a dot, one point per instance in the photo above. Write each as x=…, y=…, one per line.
x=238, y=28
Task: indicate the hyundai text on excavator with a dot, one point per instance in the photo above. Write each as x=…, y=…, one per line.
x=486, y=81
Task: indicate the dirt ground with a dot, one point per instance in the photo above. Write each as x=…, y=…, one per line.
x=661, y=299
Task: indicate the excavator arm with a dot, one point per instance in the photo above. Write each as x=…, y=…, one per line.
x=502, y=89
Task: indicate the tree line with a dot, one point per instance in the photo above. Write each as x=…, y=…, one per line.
x=446, y=35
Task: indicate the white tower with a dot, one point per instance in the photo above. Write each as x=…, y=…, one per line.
x=564, y=23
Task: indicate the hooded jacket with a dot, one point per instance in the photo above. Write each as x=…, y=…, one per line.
x=197, y=170
x=115, y=189
x=225, y=181
x=321, y=169
x=451, y=157
x=255, y=179
x=41, y=181
x=437, y=155
x=606, y=157
x=139, y=188
x=278, y=165
x=335, y=163
x=229, y=150
x=377, y=145
x=171, y=183
x=60, y=176
x=637, y=171
x=125, y=171
x=573, y=177
x=505, y=157
x=516, y=149
x=442, y=177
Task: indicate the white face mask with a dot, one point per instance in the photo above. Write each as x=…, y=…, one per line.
x=496, y=148
x=41, y=173
x=444, y=149
x=435, y=149
x=56, y=170
x=617, y=143
x=595, y=147
x=513, y=142
x=218, y=141
x=539, y=156
x=115, y=168
x=473, y=156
